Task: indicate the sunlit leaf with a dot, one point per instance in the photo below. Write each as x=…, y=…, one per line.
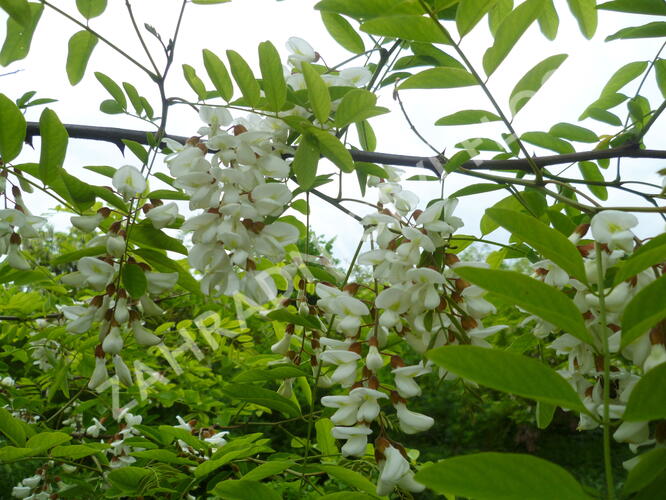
x=591, y=173
x=509, y=32
x=218, y=74
x=623, y=76
x=533, y=80
x=649, y=7
x=274, y=85
x=343, y=32
x=549, y=21
x=320, y=99
x=573, y=132
x=482, y=475
x=54, y=145
x=656, y=29
x=439, y=78
x=112, y=88
x=406, y=27
x=19, y=37
x=19, y=10
x=645, y=310
x=194, y=81
x=12, y=131
x=91, y=8
x=468, y=117
x=547, y=141
x=244, y=78
x=470, y=12
x=531, y=295
x=305, y=161
x=585, y=12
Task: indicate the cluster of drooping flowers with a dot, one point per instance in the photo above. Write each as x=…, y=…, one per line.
x=421, y=300
x=242, y=191
x=584, y=370
x=113, y=308
x=16, y=224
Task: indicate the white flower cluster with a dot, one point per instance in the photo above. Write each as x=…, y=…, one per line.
x=16, y=224
x=612, y=229
x=242, y=191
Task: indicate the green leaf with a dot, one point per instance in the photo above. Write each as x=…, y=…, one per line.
x=356, y=105
x=509, y=32
x=209, y=2
x=359, y=9
x=194, y=81
x=552, y=244
x=648, y=397
x=263, y=397
x=508, y=372
x=244, y=489
x=544, y=414
x=623, y=76
x=10, y=454
x=218, y=74
x=644, y=311
x=73, y=452
x=651, y=30
x=650, y=7
x=167, y=194
x=497, y=14
x=476, y=189
x=640, y=261
x=275, y=88
x=268, y=469
x=439, y=78
x=128, y=478
x=649, y=467
x=585, y=13
x=111, y=107
x=531, y=295
x=325, y=440
x=573, y=132
x=147, y=236
x=366, y=136
x=483, y=476
x=482, y=144
x=112, y=88
x=18, y=37
x=80, y=48
x=134, y=97
x=406, y=27
x=12, y=131
x=468, y=117
x=348, y=495
x=165, y=456
x=549, y=21
x=47, y=440
x=343, y=32
x=305, y=161
x=547, y=141
x=76, y=255
x=139, y=151
x=91, y=8
x=470, y=12
x=320, y=99
x=533, y=80
x=19, y=10
x=134, y=280
x=54, y=146
x=12, y=428
x=349, y=477
x=591, y=172
x=265, y=374
x=331, y=147
x=244, y=78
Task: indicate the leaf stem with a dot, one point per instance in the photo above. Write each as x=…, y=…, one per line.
x=603, y=332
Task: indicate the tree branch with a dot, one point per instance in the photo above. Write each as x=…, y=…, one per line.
x=432, y=163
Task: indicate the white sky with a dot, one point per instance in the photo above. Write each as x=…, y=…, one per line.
x=241, y=25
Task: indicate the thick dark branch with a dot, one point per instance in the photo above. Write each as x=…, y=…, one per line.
x=432, y=163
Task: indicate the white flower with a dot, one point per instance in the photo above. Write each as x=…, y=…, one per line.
x=122, y=370
x=182, y=424
x=347, y=408
x=21, y=491
x=412, y=422
x=93, y=430
x=404, y=380
x=215, y=117
x=163, y=215
x=8, y=381
x=632, y=432
x=374, y=360
x=612, y=227
x=113, y=342
x=395, y=471
x=100, y=374
x=270, y=199
x=282, y=345
x=15, y=258
x=86, y=223
x=369, y=407
x=121, y=313
x=161, y=282
x=554, y=275
x=656, y=357
x=217, y=439
x=143, y=336
x=394, y=301
x=98, y=273
x=357, y=439
x=128, y=181
x=355, y=77
x=475, y=305
x=300, y=51
x=345, y=373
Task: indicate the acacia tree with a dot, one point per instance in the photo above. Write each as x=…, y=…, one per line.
x=242, y=332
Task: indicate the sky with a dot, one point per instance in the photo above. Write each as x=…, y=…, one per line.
x=242, y=24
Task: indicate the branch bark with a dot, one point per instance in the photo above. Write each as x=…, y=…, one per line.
x=432, y=163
